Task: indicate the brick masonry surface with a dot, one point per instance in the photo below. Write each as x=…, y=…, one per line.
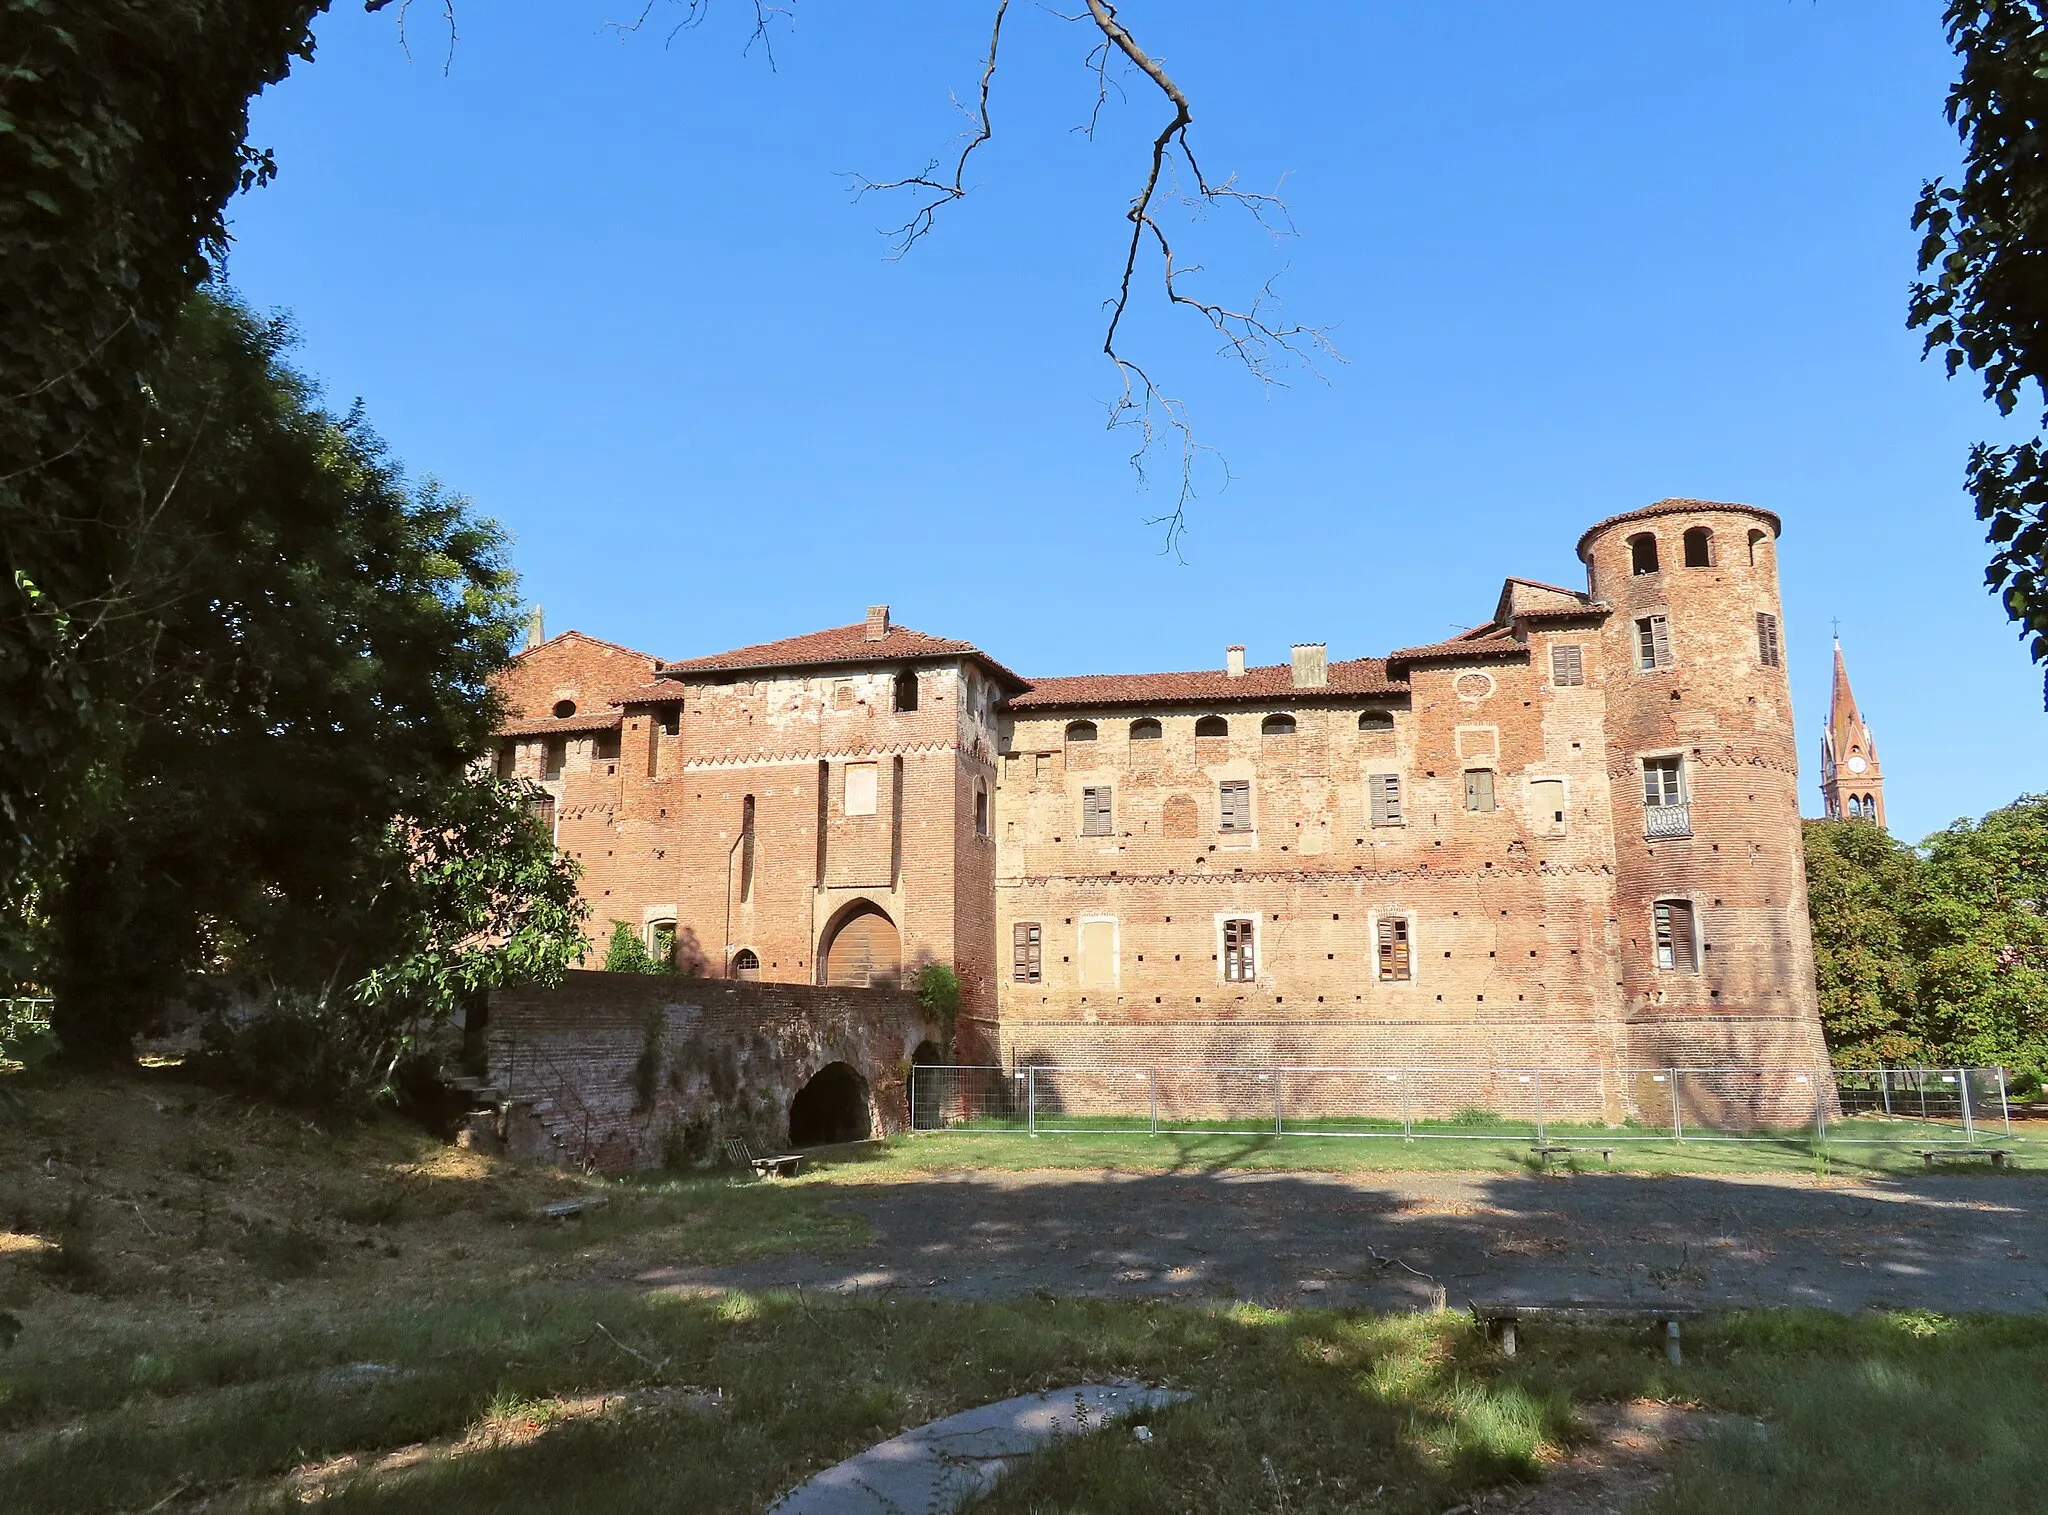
x=619, y=1072
x=1447, y=856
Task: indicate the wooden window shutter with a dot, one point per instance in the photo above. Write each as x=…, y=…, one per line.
x=1025, y=950
x=1479, y=789
x=1660, y=636
x=1684, y=950
x=1385, y=792
x=1393, y=949
x=1235, y=796
x=1567, y=666
x=1095, y=810
x=1239, y=962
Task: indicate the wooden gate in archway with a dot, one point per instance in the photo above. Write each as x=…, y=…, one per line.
x=864, y=950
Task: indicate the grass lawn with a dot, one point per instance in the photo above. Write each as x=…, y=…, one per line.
x=223, y=1307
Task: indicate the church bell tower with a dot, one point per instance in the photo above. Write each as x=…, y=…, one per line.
x=1851, y=783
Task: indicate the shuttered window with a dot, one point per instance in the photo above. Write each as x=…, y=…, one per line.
x=1234, y=805
x=1394, y=966
x=1677, y=942
x=1385, y=792
x=1478, y=788
x=1240, y=962
x=1026, y=959
x=1546, y=807
x=1095, y=812
x=1567, y=666
x=1767, y=638
x=1653, y=642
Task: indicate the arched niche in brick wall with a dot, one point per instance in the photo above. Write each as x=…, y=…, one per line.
x=1180, y=819
x=861, y=948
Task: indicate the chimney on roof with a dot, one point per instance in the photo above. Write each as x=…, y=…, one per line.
x=536, y=628
x=1311, y=665
x=1233, y=662
x=878, y=624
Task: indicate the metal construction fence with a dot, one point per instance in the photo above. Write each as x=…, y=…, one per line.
x=1884, y=1106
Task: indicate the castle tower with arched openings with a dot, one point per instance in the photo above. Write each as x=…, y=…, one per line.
x=1714, y=948
x=1851, y=783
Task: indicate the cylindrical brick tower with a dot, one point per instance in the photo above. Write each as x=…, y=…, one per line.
x=1715, y=948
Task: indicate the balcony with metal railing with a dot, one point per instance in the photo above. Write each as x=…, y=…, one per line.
x=1663, y=822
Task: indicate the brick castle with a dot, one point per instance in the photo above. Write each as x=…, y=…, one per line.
x=1568, y=837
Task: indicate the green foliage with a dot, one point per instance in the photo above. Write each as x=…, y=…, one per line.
x=25, y=1035
x=288, y=793
x=1939, y=953
x=1982, y=928
x=121, y=141
x=1859, y=883
x=627, y=954
x=938, y=994
x=1981, y=298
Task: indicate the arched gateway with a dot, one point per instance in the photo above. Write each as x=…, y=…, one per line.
x=862, y=949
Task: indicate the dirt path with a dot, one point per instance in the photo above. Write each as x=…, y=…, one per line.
x=1949, y=1243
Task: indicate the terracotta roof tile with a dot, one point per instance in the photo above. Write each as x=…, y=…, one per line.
x=547, y=725
x=843, y=645
x=1481, y=641
x=1265, y=685
x=1679, y=508
x=660, y=692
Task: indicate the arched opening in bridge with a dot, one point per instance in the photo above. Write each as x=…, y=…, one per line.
x=862, y=949
x=927, y=1088
x=832, y=1107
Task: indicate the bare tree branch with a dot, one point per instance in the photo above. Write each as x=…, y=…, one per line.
x=942, y=192
x=1253, y=334
x=694, y=12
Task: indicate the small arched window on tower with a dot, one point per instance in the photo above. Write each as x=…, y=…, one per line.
x=1855, y=807
x=1277, y=725
x=1756, y=540
x=1642, y=553
x=1212, y=725
x=906, y=690
x=1699, y=548
x=746, y=964
x=1080, y=731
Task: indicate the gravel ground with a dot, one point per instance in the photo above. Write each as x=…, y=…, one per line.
x=1951, y=1243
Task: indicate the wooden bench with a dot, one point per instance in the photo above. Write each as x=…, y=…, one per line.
x=1545, y=1153
x=1997, y=1155
x=764, y=1167
x=1499, y=1320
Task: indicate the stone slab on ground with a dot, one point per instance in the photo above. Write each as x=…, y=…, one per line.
x=940, y=1467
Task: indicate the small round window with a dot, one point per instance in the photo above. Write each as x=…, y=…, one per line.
x=564, y=709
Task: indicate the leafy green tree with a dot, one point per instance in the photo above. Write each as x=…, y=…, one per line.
x=1979, y=925
x=1982, y=299
x=1859, y=884
x=627, y=954
x=287, y=793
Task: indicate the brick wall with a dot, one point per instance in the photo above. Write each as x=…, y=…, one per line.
x=620, y=1072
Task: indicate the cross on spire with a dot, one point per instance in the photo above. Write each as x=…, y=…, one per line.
x=1836, y=622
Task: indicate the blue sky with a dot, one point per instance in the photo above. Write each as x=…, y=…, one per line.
x=1576, y=257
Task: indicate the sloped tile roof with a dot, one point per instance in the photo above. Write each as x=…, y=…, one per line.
x=660, y=692
x=1481, y=641
x=568, y=725
x=1273, y=683
x=584, y=636
x=841, y=645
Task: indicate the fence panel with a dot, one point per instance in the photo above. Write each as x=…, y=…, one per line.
x=1880, y=1107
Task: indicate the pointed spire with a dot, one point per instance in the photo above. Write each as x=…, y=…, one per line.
x=1850, y=782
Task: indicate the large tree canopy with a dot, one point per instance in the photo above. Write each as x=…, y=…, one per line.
x=288, y=793
x=1937, y=953
x=1983, y=297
